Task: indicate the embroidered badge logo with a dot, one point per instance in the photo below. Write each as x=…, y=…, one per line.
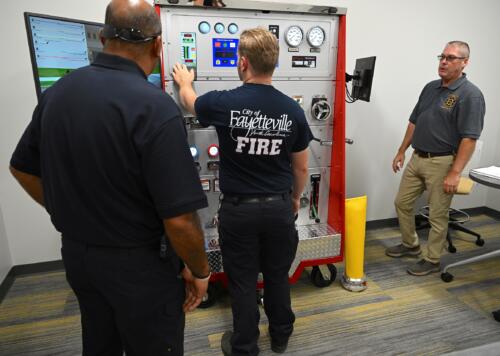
x=450, y=102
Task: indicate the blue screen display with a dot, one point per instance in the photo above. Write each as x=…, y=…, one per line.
x=225, y=52
x=62, y=45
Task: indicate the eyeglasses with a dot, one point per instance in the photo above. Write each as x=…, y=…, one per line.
x=449, y=58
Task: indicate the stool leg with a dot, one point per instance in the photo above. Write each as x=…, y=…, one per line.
x=451, y=248
x=464, y=229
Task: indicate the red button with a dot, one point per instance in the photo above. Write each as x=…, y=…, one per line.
x=213, y=151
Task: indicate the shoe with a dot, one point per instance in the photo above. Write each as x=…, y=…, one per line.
x=496, y=315
x=423, y=268
x=401, y=250
x=225, y=343
x=279, y=348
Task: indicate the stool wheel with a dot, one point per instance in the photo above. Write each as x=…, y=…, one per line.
x=480, y=242
x=452, y=249
x=446, y=277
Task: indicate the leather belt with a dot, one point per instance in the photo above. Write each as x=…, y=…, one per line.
x=424, y=154
x=251, y=199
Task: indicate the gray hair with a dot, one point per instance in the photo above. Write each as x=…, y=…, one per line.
x=463, y=46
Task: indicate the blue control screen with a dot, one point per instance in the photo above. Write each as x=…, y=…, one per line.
x=225, y=52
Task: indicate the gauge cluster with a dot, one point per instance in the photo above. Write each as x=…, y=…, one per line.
x=208, y=43
x=294, y=35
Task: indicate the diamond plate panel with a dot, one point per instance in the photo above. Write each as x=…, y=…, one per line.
x=316, y=241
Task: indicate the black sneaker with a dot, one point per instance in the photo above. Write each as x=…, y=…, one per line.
x=225, y=343
x=279, y=348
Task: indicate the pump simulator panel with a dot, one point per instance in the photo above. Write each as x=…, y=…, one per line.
x=206, y=40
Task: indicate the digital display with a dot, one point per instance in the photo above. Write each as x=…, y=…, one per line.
x=225, y=52
x=59, y=46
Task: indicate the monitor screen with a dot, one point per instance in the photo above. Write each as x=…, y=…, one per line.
x=363, y=78
x=59, y=46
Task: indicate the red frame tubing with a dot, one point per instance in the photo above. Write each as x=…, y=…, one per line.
x=336, y=201
x=162, y=61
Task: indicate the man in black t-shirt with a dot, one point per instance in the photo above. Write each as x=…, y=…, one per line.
x=106, y=154
x=263, y=138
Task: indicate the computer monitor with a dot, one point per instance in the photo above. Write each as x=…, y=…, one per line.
x=363, y=78
x=60, y=45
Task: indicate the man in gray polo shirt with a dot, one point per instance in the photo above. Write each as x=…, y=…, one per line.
x=443, y=129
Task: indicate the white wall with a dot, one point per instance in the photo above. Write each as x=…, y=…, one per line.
x=29, y=231
x=405, y=36
x=5, y=257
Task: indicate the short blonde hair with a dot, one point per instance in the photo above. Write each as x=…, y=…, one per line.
x=261, y=48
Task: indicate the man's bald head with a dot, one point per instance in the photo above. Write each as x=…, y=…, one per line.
x=132, y=30
x=133, y=14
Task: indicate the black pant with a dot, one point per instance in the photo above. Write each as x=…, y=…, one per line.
x=258, y=237
x=130, y=299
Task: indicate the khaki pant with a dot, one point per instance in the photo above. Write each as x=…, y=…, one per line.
x=425, y=174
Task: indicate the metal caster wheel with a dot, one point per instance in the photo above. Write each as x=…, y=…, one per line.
x=446, y=277
x=452, y=249
x=480, y=242
x=319, y=280
x=210, y=297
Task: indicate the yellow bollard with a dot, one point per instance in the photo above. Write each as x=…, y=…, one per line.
x=355, y=228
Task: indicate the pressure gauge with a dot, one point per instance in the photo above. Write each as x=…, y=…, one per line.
x=219, y=28
x=204, y=27
x=294, y=36
x=232, y=28
x=316, y=36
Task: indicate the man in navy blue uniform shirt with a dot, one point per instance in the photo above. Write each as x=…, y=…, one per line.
x=106, y=154
x=263, y=137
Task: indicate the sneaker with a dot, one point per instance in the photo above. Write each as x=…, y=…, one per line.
x=225, y=343
x=279, y=348
x=401, y=250
x=423, y=268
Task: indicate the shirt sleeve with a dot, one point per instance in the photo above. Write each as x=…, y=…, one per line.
x=304, y=133
x=170, y=172
x=470, y=118
x=210, y=109
x=414, y=113
x=416, y=109
x=26, y=156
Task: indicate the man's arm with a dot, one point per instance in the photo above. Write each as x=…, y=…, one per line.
x=465, y=151
x=30, y=183
x=185, y=235
x=399, y=160
x=184, y=79
x=299, y=171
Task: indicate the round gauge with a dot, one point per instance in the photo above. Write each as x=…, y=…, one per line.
x=219, y=28
x=316, y=36
x=232, y=28
x=294, y=36
x=204, y=27
x=213, y=151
